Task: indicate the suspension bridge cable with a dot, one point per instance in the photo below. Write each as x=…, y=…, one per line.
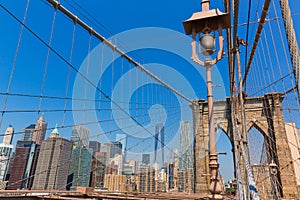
x=243, y=136
x=57, y=5
x=79, y=139
x=83, y=99
x=86, y=123
x=47, y=60
x=265, y=67
x=247, y=30
x=256, y=40
x=285, y=55
x=107, y=42
x=69, y=74
x=61, y=57
x=285, y=92
x=45, y=171
x=104, y=133
x=292, y=40
x=14, y=61
x=268, y=56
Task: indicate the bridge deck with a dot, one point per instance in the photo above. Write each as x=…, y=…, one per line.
x=69, y=195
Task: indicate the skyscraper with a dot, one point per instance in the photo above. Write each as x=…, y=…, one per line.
x=6, y=152
x=24, y=165
x=105, y=148
x=39, y=131
x=10, y=165
x=170, y=176
x=115, y=182
x=53, y=163
x=8, y=135
x=5, y=155
x=186, y=151
x=123, y=139
x=145, y=179
x=80, y=136
x=146, y=159
x=116, y=148
x=98, y=169
x=176, y=168
x=159, y=130
x=95, y=146
x=111, y=149
x=79, y=173
x=27, y=132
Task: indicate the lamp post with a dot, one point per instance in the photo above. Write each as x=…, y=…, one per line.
x=274, y=170
x=205, y=22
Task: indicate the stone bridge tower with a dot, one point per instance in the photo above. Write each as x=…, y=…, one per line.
x=265, y=114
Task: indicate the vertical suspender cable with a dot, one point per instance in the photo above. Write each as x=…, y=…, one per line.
x=69, y=75
x=292, y=40
x=14, y=62
x=247, y=31
x=47, y=59
x=232, y=43
x=243, y=141
x=257, y=37
x=57, y=5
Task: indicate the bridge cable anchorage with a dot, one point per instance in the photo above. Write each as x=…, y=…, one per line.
x=69, y=14
x=257, y=37
x=292, y=40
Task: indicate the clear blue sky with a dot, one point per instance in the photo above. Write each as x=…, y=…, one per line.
x=115, y=17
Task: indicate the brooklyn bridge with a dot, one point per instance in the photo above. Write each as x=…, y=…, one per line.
x=149, y=100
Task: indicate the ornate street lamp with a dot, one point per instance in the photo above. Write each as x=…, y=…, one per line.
x=274, y=170
x=204, y=23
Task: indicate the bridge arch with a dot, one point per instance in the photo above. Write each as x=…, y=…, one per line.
x=265, y=114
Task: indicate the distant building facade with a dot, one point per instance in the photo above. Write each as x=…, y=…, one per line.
x=80, y=136
x=98, y=169
x=38, y=135
x=146, y=179
x=186, y=148
x=159, y=130
x=122, y=138
x=35, y=132
x=116, y=148
x=111, y=149
x=27, y=132
x=146, y=159
x=115, y=182
x=6, y=152
x=24, y=165
x=79, y=172
x=8, y=135
x=294, y=144
x=95, y=146
x=170, y=176
x=53, y=163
